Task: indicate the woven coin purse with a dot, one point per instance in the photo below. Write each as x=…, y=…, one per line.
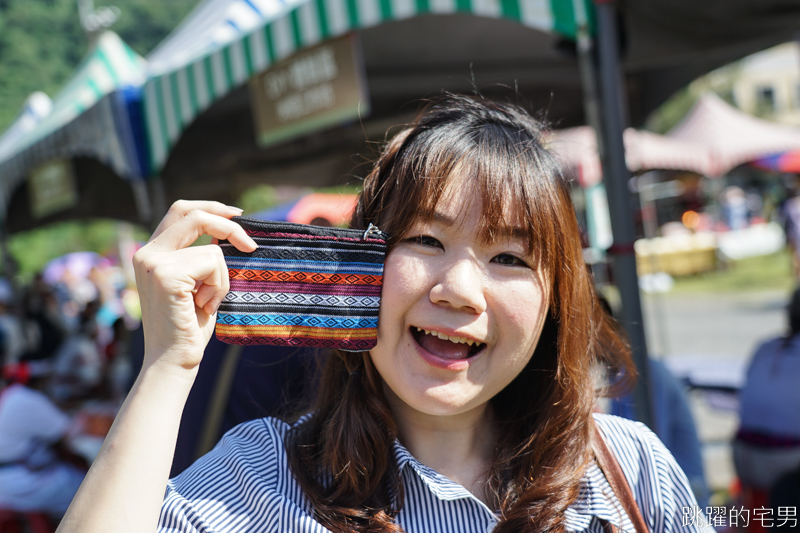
x=303, y=286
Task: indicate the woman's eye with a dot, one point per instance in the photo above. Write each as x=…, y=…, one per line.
x=425, y=240
x=508, y=259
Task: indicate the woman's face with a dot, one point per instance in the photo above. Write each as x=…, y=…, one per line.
x=459, y=319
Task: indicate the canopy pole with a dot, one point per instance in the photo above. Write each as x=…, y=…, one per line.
x=142, y=200
x=616, y=177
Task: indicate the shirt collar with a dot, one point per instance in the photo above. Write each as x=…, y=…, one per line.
x=443, y=487
x=595, y=499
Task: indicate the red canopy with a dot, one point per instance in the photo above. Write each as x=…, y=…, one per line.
x=732, y=136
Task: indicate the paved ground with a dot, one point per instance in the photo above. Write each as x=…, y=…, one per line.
x=717, y=332
x=714, y=326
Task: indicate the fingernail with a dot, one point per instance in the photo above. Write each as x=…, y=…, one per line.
x=234, y=208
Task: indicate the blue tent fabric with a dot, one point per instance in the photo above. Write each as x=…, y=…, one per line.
x=82, y=121
x=129, y=126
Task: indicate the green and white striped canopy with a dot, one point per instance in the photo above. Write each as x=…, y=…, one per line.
x=109, y=65
x=174, y=98
x=80, y=122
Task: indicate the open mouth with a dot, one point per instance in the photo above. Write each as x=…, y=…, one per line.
x=444, y=346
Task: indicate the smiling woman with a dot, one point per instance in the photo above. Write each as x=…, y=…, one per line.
x=485, y=247
x=474, y=411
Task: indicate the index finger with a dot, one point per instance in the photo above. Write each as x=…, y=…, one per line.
x=181, y=208
x=187, y=229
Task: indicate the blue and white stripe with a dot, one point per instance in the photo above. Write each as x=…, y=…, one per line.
x=245, y=484
x=313, y=321
x=300, y=299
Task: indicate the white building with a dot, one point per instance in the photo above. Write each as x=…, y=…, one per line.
x=767, y=84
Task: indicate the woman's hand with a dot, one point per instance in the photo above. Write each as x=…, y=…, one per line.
x=180, y=287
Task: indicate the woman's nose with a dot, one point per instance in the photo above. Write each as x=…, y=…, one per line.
x=461, y=286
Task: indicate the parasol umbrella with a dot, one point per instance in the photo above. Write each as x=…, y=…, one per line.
x=781, y=162
x=79, y=264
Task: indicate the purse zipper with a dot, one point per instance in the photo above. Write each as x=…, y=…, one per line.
x=307, y=229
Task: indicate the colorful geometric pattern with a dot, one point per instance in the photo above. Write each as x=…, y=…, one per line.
x=254, y=274
x=303, y=286
x=281, y=298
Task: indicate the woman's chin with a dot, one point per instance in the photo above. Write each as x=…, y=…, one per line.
x=441, y=401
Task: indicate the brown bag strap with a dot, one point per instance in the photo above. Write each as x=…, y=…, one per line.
x=613, y=472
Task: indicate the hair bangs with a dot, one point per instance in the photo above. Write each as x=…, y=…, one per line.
x=507, y=169
x=514, y=185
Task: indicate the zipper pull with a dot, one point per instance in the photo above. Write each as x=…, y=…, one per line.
x=371, y=230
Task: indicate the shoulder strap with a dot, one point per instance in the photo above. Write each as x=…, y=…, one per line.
x=613, y=472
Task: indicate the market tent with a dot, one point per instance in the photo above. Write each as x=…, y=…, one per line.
x=175, y=97
x=199, y=114
x=732, y=136
x=37, y=106
x=577, y=150
x=87, y=124
x=210, y=26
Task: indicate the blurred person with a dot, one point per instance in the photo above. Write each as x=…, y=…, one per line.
x=109, y=281
x=672, y=418
x=118, y=361
x=767, y=444
x=37, y=471
x=79, y=363
x=14, y=341
x=755, y=206
x=789, y=215
x=44, y=327
x=734, y=207
x=674, y=424
x=74, y=293
x=786, y=493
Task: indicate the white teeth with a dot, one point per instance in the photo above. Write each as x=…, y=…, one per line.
x=457, y=340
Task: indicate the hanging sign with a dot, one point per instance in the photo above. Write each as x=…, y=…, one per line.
x=315, y=88
x=51, y=188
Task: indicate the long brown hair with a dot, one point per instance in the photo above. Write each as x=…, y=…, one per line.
x=342, y=454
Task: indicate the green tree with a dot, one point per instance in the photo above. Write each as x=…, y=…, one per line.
x=33, y=249
x=41, y=42
x=671, y=112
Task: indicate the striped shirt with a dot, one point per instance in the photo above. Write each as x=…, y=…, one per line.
x=245, y=484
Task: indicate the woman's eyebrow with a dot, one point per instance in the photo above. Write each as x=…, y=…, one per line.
x=514, y=232
x=505, y=232
x=436, y=216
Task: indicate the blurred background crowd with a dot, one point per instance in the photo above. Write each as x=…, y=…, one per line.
x=110, y=113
